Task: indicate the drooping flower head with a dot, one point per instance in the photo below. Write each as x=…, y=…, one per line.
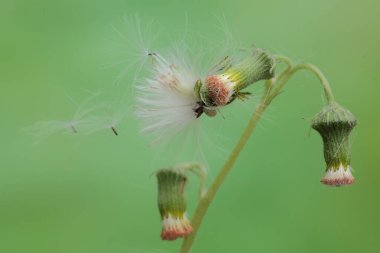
x=172, y=204
x=334, y=123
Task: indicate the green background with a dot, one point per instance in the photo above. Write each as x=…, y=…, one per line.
x=96, y=194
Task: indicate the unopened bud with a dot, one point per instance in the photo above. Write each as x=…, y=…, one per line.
x=172, y=203
x=334, y=123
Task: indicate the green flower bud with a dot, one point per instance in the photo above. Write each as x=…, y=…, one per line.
x=334, y=123
x=222, y=88
x=172, y=203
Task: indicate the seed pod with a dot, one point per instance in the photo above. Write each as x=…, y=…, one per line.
x=172, y=203
x=334, y=123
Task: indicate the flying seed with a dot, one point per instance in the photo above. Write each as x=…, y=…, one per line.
x=73, y=129
x=114, y=131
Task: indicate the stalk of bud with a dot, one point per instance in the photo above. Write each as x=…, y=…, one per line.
x=221, y=89
x=334, y=123
x=172, y=203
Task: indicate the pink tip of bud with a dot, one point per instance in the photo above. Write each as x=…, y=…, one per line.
x=175, y=227
x=338, y=177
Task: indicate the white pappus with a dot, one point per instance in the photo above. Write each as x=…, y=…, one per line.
x=166, y=101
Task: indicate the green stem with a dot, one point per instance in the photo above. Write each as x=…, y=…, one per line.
x=284, y=59
x=326, y=86
x=200, y=171
x=205, y=202
x=288, y=73
x=273, y=88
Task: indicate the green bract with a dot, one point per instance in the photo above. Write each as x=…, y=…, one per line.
x=171, y=185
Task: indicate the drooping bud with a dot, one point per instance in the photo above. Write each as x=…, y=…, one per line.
x=172, y=203
x=334, y=123
x=222, y=88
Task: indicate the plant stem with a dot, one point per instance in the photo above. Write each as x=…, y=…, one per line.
x=287, y=74
x=273, y=88
x=326, y=86
x=205, y=202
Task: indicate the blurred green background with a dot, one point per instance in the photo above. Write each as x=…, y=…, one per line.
x=96, y=193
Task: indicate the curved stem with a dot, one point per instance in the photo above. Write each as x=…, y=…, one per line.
x=284, y=59
x=199, y=170
x=288, y=73
x=326, y=86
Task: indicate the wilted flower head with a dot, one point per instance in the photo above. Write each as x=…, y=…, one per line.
x=172, y=203
x=334, y=123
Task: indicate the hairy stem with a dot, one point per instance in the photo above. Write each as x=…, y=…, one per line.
x=273, y=88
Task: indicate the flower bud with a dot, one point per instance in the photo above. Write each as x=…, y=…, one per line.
x=222, y=88
x=334, y=123
x=172, y=203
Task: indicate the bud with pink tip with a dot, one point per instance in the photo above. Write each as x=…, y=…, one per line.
x=172, y=203
x=334, y=123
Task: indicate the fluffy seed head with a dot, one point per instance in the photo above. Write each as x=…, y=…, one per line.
x=176, y=91
x=166, y=101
